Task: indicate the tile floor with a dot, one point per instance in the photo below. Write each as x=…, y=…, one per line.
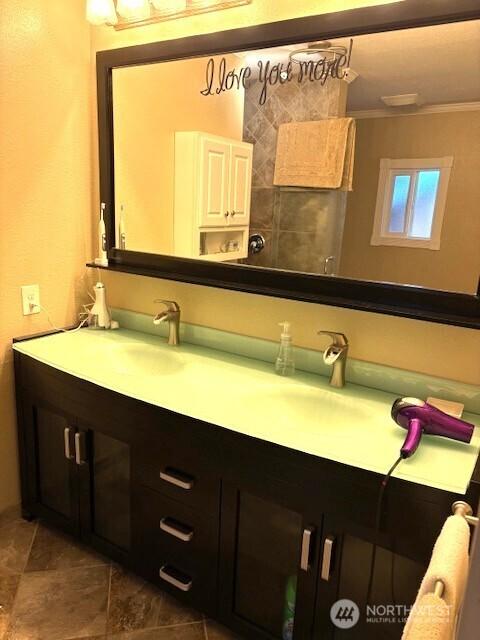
x=51, y=588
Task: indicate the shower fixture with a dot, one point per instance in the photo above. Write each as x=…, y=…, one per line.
x=322, y=50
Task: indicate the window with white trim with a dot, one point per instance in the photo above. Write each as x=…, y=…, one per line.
x=411, y=199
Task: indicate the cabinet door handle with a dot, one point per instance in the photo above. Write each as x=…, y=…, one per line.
x=327, y=558
x=233, y=214
x=177, y=478
x=306, y=548
x=227, y=213
x=176, y=529
x=80, y=448
x=66, y=440
x=175, y=577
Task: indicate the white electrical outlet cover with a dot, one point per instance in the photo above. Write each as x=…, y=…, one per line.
x=30, y=296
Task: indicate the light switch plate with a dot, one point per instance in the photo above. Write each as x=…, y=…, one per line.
x=30, y=296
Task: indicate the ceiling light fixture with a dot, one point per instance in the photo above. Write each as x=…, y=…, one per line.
x=134, y=9
x=170, y=5
x=101, y=12
x=403, y=100
x=123, y=14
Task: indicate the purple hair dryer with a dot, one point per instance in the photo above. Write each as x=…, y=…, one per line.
x=419, y=417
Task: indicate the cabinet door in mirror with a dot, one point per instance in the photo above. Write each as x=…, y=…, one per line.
x=355, y=157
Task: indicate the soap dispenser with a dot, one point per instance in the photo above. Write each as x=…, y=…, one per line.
x=284, y=364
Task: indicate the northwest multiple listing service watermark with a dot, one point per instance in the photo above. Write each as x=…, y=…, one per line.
x=345, y=614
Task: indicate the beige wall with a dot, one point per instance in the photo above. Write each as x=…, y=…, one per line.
x=456, y=266
x=44, y=181
x=151, y=103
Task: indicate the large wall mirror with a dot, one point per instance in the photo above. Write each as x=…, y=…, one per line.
x=338, y=168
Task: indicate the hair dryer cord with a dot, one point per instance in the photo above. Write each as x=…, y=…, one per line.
x=378, y=518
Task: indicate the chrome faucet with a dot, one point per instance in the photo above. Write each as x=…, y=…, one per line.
x=336, y=354
x=172, y=315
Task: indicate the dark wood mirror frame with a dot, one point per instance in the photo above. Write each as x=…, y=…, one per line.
x=401, y=300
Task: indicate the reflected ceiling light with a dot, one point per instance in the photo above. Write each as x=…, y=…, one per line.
x=134, y=9
x=170, y=5
x=101, y=12
x=403, y=100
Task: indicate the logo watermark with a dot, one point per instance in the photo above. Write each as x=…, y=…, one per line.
x=345, y=613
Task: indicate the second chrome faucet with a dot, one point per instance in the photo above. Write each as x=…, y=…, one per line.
x=171, y=315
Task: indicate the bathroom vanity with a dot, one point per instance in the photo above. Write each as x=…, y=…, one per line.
x=228, y=486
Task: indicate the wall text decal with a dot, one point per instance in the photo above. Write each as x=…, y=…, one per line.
x=218, y=79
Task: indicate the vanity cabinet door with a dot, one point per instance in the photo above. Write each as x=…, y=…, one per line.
x=104, y=469
x=214, y=182
x=345, y=562
x=240, y=185
x=52, y=482
x=268, y=566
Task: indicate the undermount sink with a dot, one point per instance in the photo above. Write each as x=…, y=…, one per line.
x=144, y=360
x=310, y=403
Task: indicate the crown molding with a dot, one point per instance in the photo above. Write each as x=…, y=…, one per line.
x=419, y=111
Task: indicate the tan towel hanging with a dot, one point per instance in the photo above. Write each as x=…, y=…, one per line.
x=317, y=154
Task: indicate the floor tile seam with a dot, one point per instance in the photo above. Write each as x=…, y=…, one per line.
x=65, y=569
x=20, y=576
x=27, y=555
x=148, y=629
x=107, y=617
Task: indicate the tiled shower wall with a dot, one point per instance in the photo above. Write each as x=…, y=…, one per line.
x=301, y=227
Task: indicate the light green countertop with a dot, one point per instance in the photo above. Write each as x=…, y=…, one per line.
x=351, y=425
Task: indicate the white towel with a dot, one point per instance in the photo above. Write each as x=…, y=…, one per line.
x=449, y=564
x=429, y=620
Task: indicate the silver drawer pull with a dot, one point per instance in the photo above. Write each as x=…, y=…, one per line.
x=176, y=578
x=306, y=544
x=178, y=479
x=327, y=558
x=66, y=439
x=176, y=529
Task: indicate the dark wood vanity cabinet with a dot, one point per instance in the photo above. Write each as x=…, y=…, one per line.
x=262, y=538
x=75, y=476
x=269, y=561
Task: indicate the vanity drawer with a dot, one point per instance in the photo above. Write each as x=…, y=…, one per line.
x=180, y=474
x=176, y=547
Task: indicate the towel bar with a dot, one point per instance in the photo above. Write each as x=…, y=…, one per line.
x=460, y=508
x=439, y=588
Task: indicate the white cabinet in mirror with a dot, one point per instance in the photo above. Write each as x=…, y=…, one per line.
x=355, y=158
x=211, y=212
